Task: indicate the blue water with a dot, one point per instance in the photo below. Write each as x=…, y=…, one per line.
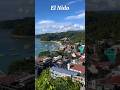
x=44, y=46
x=12, y=49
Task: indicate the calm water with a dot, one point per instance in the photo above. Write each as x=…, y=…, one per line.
x=13, y=49
x=44, y=46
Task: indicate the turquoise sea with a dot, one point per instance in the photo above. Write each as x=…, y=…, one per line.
x=41, y=46
x=12, y=49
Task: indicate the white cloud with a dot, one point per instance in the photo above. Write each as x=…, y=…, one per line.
x=45, y=21
x=72, y=2
x=49, y=26
x=79, y=11
x=79, y=16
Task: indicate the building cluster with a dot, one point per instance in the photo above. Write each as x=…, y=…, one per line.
x=103, y=69
x=70, y=63
x=23, y=81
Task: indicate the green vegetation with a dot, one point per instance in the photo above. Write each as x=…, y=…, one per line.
x=25, y=28
x=22, y=66
x=103, y=24
x=75, y=36
x=45, y=53
x=46, y=82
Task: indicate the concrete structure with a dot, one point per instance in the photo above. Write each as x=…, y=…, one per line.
x=61, y=72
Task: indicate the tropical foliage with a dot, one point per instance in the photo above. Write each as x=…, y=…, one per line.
x=75, y=36
x=103, y=24
x=46, y=82
x=22, y=27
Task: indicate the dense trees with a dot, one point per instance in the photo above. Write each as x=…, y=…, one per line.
x=25, y=27
x=75, y=36
x=20, y=27
x=103, y=24
x=45, y=53
x=46, y=82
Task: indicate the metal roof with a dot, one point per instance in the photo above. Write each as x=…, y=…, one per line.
x=62, y=70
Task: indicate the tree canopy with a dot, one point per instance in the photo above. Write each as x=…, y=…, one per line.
x=46, y=82
x=75, y=36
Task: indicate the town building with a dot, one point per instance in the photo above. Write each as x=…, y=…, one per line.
x=16, y=82
x=61, y=72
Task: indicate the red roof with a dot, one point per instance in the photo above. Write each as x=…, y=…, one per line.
x=102, y=64
x=78, y=67
x=7, y=79
x=112, y=80
x=82, y=60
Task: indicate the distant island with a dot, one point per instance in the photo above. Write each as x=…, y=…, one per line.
x=21, y=27
x=75, y=36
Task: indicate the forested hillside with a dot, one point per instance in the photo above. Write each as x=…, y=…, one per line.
x=103, y=24
x=75, y=36
x=20, y=26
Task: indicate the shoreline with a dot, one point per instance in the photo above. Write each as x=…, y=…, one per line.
x=57, y=42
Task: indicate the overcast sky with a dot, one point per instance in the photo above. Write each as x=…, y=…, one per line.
x=100, y=5
x=12, y=9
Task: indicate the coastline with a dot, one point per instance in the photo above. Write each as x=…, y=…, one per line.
x=57, y=42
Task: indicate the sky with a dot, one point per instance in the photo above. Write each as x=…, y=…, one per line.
x=47, y=21
x=15, y=9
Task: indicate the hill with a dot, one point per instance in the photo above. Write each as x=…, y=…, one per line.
x=21, y=27
x=75, y=36
x=103, y=24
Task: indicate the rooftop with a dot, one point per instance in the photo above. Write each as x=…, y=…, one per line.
x=112, y=80
x=78, y=67
x=65, y=71
x=8, y=79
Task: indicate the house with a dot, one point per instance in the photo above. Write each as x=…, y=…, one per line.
x=91, y=85
x=17, y=82
x=103, y=65
x=76, y=68
x=81, y=49
x=61, y=72
x=73, y=55
x=107, y=83
x=93, y=69
x=57, y=58
x=82, y=58
x=80, y=78
x=110, y=83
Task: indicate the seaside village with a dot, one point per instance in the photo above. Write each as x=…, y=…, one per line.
x=69, y=62
x=19, y=80
x=103, y=65
x=23, y=81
